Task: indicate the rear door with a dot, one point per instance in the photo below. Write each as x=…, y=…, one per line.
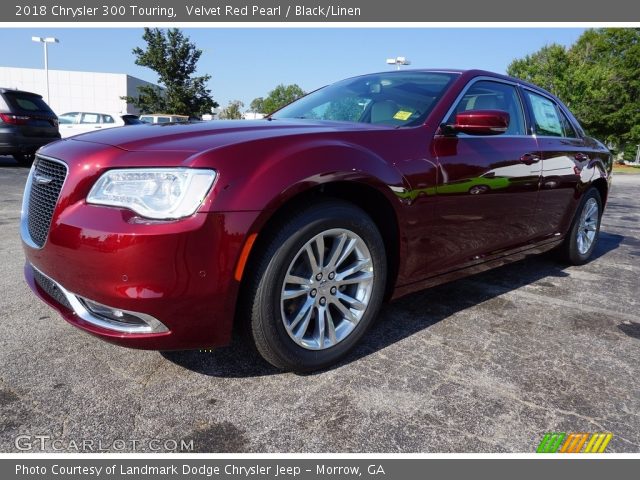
x=564, y=155
x=90, y=122
x=37, y=120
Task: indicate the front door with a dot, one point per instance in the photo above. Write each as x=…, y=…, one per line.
x=488, y=184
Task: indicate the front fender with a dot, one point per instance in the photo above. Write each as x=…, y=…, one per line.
x=267, y=179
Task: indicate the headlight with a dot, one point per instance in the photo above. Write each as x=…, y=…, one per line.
x=160, y=193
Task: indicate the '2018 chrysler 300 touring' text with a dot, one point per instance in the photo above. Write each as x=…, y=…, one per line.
x=299, y=225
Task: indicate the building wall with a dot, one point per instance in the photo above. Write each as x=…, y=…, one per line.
x=76, y=91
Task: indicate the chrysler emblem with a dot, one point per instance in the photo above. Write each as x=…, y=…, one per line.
x=42, y=179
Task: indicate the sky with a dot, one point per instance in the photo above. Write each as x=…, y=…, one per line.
x=248, y=63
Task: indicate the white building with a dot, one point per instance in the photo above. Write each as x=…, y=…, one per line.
x=76, y=91
x=253, y=116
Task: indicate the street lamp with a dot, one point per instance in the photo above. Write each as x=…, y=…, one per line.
x=398, y=61
x=45, y=41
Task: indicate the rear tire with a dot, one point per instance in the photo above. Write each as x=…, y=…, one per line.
x=24, y=159
x=304, y=309
x=581, y=241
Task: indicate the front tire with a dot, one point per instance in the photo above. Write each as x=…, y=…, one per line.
x=581, y=241
x=316, y=286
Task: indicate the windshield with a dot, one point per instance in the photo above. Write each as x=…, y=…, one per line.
x=394, y=99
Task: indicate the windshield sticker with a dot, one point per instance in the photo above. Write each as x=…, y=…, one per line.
x=402, y=115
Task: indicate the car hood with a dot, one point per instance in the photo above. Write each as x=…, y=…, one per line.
x=198, y=137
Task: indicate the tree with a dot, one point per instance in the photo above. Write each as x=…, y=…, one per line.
x=606, y=84
x=280, y=96
x=546, y=68
x=174, y=58
x=598, y=77
x=232, y=111
x=257, y=105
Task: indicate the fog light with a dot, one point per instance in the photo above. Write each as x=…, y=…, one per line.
x=113, y=314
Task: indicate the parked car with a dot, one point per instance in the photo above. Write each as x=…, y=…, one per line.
x=300, y=225
x=26, y=123
x=164, y=118
x=74, y=123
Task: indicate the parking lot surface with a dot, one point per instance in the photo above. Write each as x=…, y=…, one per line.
x=485, y=364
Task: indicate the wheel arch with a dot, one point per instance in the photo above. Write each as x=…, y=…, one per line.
x=359, y=193
x=603, y=188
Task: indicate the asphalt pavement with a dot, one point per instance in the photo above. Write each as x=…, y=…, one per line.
x=485, y=364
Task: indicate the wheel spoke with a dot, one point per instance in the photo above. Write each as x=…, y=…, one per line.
x=357, y=267
x=362, y=278
x=353, y=302
x=313, y=263
x=335, y=251
x=303, y=314
x=345, y=254
x=321, y=325
x=320, y=248
x=582, y=243
x=291, y=294
x=296, y=280
x=348, y=314
x=331, y=328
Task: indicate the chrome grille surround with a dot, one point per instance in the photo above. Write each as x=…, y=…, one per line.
x=41, y=195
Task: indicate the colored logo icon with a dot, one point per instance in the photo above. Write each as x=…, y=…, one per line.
x=561, y=442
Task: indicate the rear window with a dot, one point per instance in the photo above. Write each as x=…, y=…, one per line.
x=67, y=118
x=27, y=102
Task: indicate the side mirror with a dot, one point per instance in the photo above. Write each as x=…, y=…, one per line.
x=479, y=122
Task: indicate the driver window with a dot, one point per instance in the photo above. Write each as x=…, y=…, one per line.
x=487, y=95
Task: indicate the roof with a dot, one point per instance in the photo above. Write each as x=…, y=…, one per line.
x=15, y=90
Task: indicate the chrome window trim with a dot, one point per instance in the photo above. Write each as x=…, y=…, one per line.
x=153, y=324
x=473, y=81
x=24, y=226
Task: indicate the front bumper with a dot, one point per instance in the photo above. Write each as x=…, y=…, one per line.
x=179, y=274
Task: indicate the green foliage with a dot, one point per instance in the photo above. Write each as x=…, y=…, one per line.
x=280, y=96
x=232, y=111
x=630, y=152
x=545, y=68
x=257, y=105
x=598, y=77
x=174, y=58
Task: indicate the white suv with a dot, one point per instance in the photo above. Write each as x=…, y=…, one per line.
x=74, y=123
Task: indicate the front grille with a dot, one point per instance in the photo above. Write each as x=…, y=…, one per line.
x=51, y=288
x=43, y=197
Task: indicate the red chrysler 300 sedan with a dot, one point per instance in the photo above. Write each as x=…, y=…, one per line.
x=300, y=225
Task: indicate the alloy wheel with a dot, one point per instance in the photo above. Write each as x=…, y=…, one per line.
x=588, y=226
x=327, y=289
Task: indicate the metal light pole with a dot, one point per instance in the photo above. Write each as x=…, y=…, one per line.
x=398, y=61
x=45, y=41
x=638, y=154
